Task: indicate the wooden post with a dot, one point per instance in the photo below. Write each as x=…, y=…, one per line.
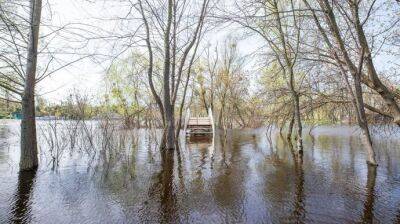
x=211, y=116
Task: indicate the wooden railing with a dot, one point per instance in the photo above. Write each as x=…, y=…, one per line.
x=199, y=124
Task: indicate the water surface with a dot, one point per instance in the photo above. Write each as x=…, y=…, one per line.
x=242, y=176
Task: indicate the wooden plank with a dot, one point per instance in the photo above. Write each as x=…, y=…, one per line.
x=199, y=121
x=199, y=125
x=205, y=127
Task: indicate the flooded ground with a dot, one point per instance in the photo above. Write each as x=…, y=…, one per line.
x=241, y=176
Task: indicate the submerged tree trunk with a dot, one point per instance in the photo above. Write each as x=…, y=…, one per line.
x=289, y=53
x=170, y=85
x=362, y=122
x=359, y=107
x=290, y=128
x=29, y=157
x=356, y=73
x=299, y=129
x=362, y=117
x=170, y=129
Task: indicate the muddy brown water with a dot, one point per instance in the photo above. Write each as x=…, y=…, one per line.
x=241, y=176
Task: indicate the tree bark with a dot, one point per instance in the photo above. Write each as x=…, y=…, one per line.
x=299, y=128
x=29, y=157
x=150, y=68
x=179, y=126
x=290, y=62
x=290, y=128
x=362, y=118
x=372, y=80
x=356, y=73
x=387, y=96
x=168, y=106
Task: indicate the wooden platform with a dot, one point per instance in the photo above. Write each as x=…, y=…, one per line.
x=199, y=125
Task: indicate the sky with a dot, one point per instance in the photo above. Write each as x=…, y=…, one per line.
x=84, y=76
x=87, y=76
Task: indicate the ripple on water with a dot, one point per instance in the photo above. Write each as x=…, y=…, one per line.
x=239, y=178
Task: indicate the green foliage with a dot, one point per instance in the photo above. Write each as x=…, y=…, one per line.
x=126, y=90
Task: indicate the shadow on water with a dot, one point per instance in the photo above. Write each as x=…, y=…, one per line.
x=22, y=207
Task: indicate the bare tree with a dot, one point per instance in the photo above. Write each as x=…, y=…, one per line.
x=170, y=23
x=332, y=32
x=278, y=23
x=20, y=71
x=345, y=63
x=29, y=159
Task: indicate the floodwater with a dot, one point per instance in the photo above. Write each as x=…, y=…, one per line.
x=241, y=176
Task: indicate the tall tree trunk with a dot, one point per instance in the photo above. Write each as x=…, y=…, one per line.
x=387, y=96
x=297, y=113
x=290, y=59
x=362, y=122
x=297, y=117
x=290, y=128
x=170, y=128
x=356, y=73
x=178, y=128
x=203, y=99
x=362, y=118
x=296, y=107
x=29, y=157
x=359, y=107
x=168, y=106
x=372, y=80
x=150, y=68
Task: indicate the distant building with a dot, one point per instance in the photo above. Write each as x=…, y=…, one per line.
x=16, y=115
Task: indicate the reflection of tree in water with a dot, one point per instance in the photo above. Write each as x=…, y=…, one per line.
x=312, y=145
x=229, y=188
x=397, y=220
x=168, y=197
x=4, y=136
x=299, y=212
x=117, y=161
x=368, y=215
x=161, y=194
x=199, y=179
x=285, y=183
x=180, y=171
x=328, y=142
x=278, y=184
x=274, y=157
x=224, y=195
x=21, y=209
